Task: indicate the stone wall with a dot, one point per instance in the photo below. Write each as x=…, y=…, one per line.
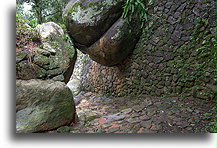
x=174, y=55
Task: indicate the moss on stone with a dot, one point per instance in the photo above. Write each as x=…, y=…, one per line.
x=86, y=14
x=41, y=60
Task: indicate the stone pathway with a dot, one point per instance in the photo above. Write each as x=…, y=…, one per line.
x=145, y=114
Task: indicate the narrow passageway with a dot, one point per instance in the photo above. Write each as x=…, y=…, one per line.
x=145, y=114
x=149, y=67
x=97, y=113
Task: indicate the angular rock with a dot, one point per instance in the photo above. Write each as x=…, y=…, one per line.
x=74, y=86
x=127, y=111
x=100, y=99
x=146, y=124
x=88, y=20
x=42, y=105
x=203, y=93
x=138, y=108
x=114, y=117
x=144, y=118
x=53, y=59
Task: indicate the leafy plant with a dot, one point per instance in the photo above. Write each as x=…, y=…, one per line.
x=135, y=6
x=207, y=115
x=42, y=10
x=33, y=22
x=25, y=34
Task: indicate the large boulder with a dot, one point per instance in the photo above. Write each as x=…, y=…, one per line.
x=116, y=44
x=53, y=58
x=88, y=20
x=42, y=105
x=98, y=30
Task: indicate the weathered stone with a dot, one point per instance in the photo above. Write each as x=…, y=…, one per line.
x=63, y=129
x=138, y=108
x=177, y=15
x=168, y=4
x=146, y=124
x=181, y=48
x=186, y=38
x=49, y=31
x=133, y=120
x=147, y=102
x=88, y=20
x=144, y=118
x=203, y=93
x=100, y=99
x=155, y=127
x=171, y=20
x=133, y=115
x=21, y=56
x=52, y=60
x=42, y=105
x=113, y=129
x=41, y=60
x=111, y=118
x=116, y=44
x=127, y=111
x=74, y=86
x=59, y=77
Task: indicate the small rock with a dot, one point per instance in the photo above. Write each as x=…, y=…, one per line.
x=114, y=129
x=77, y=100
x=189, y=128
x=127, y=111
x=171, y=20
x=148, y=131
x=133, y=120
x=134, y=115
x=74, y=86
x=151, y=113
x=147, y=102
x=138, y=108
x=146, y=124
x=111, y=118
x=88, y=94
x=100, y=99
x=144, y=118
x=155, y=127
x=106, y=125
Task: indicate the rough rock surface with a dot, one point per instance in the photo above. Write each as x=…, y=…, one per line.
x=168, y=58
x=42, y=105
x=88, y=20
x=53, y=59
x=99, y=30
x=74, y=86
x=116, y=44
x=143, y=114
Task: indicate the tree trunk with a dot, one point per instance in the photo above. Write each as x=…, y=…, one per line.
x=38, y=11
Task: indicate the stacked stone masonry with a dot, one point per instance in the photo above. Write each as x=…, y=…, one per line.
x=174, y=55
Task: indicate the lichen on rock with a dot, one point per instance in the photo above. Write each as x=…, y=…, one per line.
x=88, y=20
x=54, y=58
x=42, y=105
x=98, y=30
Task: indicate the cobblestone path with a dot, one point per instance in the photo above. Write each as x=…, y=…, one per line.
x=145, y=114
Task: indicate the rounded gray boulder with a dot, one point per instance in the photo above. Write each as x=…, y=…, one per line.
x=42, y=105
x=88, y=20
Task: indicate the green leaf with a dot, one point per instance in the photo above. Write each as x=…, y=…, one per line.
x=132, y=9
